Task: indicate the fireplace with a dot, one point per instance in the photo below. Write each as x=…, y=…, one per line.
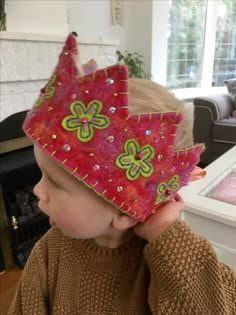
x=22, y=222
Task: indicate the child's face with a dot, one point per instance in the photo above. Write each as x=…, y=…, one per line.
x=71, y=206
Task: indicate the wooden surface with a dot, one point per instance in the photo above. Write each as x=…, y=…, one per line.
x=8, y=285
x=14, y=144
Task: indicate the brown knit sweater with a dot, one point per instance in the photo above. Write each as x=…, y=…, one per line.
x=176, y=274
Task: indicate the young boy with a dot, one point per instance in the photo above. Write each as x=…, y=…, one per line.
x=110, y=177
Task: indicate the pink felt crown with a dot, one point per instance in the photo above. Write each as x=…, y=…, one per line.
x=83, y=123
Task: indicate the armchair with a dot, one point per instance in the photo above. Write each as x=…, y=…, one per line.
x=214, y=125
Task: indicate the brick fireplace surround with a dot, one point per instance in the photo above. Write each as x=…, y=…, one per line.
x=27, y=61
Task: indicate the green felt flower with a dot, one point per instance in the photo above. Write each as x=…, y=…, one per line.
x=136, y=160
x=85, y=119
x=48, y=93
x=165, y=189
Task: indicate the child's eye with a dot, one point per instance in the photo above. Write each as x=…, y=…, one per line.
x=52, y=182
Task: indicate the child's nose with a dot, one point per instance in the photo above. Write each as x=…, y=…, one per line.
x=40, y=191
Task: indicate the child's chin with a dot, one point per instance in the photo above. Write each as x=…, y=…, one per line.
x=52, y=223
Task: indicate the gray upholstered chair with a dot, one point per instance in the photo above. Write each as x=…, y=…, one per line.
x=214, y=125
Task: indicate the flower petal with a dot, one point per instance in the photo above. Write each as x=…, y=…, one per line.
x=85, y=132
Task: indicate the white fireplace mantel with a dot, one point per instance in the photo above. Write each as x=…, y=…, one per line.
x=27, y=61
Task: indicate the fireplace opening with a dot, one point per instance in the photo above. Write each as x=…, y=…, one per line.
x=24, y=222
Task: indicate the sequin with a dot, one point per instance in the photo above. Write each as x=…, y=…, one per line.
x=66, y=53
x=96, y=167
x=73, y=96
x=66, y=147
x=148, y=132
x=59, y=83
x=84, y=120
x=109, y=180
x=159, y=157
x=54, y=136
x=50, y=108
x=138, y=156
x=115, y=94
x=109, y=81
x=161, y=172
x=110, y=139
x=119, y=188
x=112, y=109
x=86, y=91
x=91, y=154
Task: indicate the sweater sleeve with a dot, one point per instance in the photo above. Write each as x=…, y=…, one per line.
x=186, y=277
x=31, y=295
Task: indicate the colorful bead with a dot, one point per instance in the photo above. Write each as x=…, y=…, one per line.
x=66, y=53
x=109, y=81
x=50, y=108
x=59, y=83
x=138, y=156
x=54, y=136
x=110, y=139
x=96, y=167
x=73, y=96
x=91, y=154
x=109, y=180
x=115, y=94
x=84, y=120
x=119, y=188
x=42, y=90
x=112, y=109
x=86, y=91
x=159, y=157
x=148, y=132
x=66, y=147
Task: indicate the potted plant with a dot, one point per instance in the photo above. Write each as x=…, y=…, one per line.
x=2, y=16
x=135, y=64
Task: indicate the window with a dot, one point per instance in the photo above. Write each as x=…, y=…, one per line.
x=198, y=48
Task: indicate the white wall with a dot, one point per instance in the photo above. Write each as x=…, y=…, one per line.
x=35, y=16
x=92, y=19
x=138, y=22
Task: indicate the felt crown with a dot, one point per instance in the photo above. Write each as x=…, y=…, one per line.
x=83, y=123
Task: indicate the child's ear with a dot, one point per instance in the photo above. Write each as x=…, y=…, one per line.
x=121, y=221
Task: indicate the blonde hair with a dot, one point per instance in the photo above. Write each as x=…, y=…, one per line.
x=147, y=96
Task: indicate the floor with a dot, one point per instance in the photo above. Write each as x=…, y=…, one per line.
x=8, y=284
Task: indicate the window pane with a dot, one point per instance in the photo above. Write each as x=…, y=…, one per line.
x=225, y=49
x=186, y=30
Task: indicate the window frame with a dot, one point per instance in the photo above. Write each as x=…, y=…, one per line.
x=160, y=45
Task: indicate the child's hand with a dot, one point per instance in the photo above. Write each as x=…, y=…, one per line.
x=157, y=223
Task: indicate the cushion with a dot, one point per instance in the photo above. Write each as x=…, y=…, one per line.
x=224, y=130
x=231, y=86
